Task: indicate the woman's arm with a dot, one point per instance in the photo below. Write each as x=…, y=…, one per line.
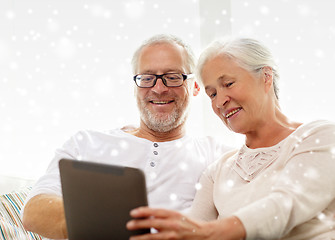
x=203, y=207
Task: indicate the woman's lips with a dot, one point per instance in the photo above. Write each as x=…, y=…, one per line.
x=232, y=112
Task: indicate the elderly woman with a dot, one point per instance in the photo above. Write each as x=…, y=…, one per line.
x=279, y=185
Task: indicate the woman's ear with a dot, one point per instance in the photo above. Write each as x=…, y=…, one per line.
x=196, y=89
x=268, y=77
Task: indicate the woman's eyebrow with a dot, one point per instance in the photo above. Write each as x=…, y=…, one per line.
x=224, y=78
x=207, y=88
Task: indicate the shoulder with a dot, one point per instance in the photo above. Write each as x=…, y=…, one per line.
x=319, y=128
x=319, y=125
x=87, y=136
x=313, y=136
x=89, y=133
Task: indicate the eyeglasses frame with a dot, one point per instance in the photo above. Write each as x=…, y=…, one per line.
x=161, y=76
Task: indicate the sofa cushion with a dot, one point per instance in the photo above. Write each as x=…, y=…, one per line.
x=11, y=183
x=10, y=220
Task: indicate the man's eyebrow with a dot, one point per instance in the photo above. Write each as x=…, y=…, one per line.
x=171, y=70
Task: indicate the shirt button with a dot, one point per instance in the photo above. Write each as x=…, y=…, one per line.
x=152, y=164
x=155, y=144
x=155, y=152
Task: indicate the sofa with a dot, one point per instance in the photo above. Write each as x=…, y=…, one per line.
x=13, y=192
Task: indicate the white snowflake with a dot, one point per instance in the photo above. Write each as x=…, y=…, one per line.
x=304, y=10
x=79, y=137
x=321, y=216
x=10, y=15
x=114, y=152
x=230, y=183
x=264, y=10
x=183, y=166
x=333, y=152
x=312, y=173
x=173, y=197
x=198, y=186
x=134, y=9
x=179, y=144
x=319, y=53
x=124, y=144
x=66, y=48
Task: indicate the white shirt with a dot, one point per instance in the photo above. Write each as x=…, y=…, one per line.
x=286, y=191
x=172, y=168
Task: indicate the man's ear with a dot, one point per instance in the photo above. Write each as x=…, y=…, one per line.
x=135, y=91
x=196, y=89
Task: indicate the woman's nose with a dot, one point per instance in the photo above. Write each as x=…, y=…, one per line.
x=222, y=99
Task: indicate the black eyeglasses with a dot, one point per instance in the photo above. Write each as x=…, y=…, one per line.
x=168, y=79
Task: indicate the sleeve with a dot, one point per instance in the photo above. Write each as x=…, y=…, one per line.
x=305, y=187
x=49, y=183
x=217, y=148
x=220, y=148
x=203, y=207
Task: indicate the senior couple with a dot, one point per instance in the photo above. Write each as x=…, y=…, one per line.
x=279, y=185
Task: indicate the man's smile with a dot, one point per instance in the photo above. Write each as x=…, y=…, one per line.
x=161, y=102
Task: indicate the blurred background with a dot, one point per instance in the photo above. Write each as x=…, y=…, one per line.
x=65, y=65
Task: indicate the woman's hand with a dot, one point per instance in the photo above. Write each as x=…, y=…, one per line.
x=173, y=225
x=169, y=224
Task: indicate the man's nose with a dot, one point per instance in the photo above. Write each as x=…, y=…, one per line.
x=159, y=86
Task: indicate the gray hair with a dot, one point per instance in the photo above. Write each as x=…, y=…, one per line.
x=165, y=38
x=248, y=53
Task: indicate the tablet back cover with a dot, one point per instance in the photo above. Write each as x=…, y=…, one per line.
x=98, y=198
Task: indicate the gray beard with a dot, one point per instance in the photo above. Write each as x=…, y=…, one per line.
x=162, y=122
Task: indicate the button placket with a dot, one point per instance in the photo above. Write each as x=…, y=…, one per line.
x=153, y=161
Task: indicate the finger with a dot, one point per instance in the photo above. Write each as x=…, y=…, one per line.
x=157, y=223
x=138, y=224
x=141, y=237
x=156, y=236
x=144, y=212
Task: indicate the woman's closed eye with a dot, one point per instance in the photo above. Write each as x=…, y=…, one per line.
x=229, y=84
x=211, y=94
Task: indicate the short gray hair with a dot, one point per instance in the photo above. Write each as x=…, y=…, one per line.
x=248, y=53
x=165, y=38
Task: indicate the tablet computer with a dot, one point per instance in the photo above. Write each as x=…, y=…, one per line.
x=98, y=198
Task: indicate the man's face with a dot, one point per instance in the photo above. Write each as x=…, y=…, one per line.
x=163, y=108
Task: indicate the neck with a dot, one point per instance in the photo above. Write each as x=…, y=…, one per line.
x=144, y=132
x=271, y=132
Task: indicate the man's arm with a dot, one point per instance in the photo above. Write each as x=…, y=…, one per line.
x=44, y=214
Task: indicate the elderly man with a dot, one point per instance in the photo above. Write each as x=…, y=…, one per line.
x=172, y=160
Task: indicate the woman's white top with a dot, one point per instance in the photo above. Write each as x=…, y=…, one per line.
x=286, y=191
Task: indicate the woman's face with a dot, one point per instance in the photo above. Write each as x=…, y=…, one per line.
x=238, y=97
